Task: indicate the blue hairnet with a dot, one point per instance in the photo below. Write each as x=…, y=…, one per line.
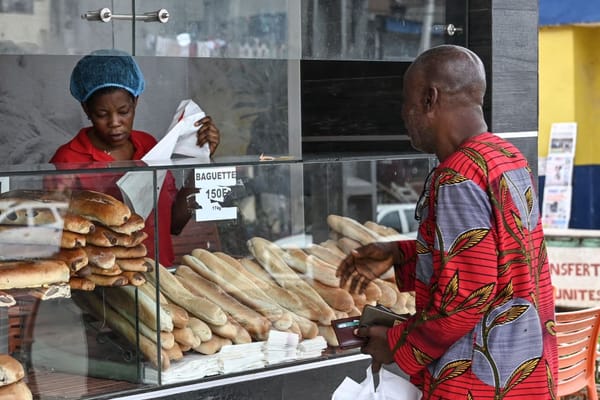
x=106, y=68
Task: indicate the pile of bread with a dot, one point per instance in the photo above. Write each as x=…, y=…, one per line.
x=12, y=385
x=212, y=299
x=74, y=241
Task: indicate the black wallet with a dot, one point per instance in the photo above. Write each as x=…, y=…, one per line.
x=344, y=332
x=371, y=315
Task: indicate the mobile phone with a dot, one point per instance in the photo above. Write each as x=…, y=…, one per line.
x=380, y=315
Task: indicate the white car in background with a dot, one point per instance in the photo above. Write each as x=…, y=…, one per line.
x=399, y=216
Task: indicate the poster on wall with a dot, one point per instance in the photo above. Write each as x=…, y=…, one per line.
x=556, y=210
x=559, y=170
x=562, y=138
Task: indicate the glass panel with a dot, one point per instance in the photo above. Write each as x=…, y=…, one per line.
x=57, y=27
x=62, y=331
x=377, y=29
x=216, y=28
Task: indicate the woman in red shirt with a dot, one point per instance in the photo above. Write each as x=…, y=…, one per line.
x=108, y=83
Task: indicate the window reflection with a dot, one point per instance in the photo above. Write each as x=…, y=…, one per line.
x=264, y=29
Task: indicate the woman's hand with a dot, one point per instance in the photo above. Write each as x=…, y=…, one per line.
x=208, y=133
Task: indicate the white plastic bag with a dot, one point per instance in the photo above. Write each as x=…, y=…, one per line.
x=180, y=139
x=391, y=387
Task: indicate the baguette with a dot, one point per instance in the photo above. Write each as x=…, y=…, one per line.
x=200, y=329
x=150, y=290
x=256, y=324
x=287, y=278
x=308, y=328
x=123, y=300
x=388, y=294
x=186, y=337
x=242, y=336
x=179, y=315
x=74, y=258
x=78, y=224
x=140, y=264
x=84, y=272
x=385, y=232
x=286, y=298
x=228, y=331
x=167, y=339
x=175, y=353
x=261, y=278
x=26, y=274
x=198, y=306
x=325, y=254
x=347, y=244
x=77, y=283
x=213, y=345
x=72, y=240
x=337, y=298
x=103, y=280
x=100, y=257
x=119, y=324
x=99, y=207
x=329, y=335
x=134, y=224
x=351, y=228
x=16, y=391
x=259, y=300
x=113, y=271
x=134, y=278
x=11, y=370
x=105, y=237
x=130, y=252
x=332, y=245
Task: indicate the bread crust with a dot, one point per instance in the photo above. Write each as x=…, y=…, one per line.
x=32, y=273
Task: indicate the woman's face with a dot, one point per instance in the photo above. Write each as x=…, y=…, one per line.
x=112, y=113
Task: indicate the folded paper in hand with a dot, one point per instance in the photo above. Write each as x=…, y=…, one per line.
x=180, y=139
x=391, y=387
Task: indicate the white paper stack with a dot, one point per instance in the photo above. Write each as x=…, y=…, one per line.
x=310, y=348
x=280, y=347
x=241, y=357
x=192, y=366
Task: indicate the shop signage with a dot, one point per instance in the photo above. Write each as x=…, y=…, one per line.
x=575, y=274
x=214, y=185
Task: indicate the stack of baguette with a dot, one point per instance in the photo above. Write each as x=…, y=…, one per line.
x=98, y=241
x=12, y=385
x=213, y=299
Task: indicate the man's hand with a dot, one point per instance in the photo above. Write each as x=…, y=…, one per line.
x=377, y=345
x=366, y=263
x=208, y=133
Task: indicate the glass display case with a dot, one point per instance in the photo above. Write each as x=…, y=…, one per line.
x=224, y=311
x=306, y=95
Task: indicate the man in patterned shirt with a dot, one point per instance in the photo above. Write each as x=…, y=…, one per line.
x=484, y=325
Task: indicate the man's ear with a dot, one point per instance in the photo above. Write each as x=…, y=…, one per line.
x=431, y=98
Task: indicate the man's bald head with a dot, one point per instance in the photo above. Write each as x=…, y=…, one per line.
x=454, y=70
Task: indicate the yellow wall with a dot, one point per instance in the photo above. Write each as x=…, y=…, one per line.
x=569, y=87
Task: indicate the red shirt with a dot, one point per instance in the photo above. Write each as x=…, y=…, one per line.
x=479, y=268
x=80, y=150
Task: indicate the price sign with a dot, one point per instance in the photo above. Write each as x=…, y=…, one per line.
x=214, y=185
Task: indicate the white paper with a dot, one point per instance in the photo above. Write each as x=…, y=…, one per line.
x=137, y=187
